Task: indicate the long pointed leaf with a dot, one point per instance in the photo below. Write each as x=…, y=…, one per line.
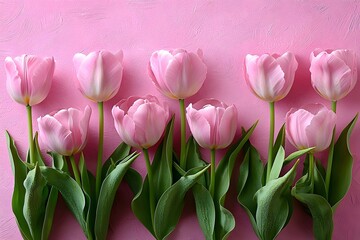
x=36, y=193
x=205, y=210
x=162, y=163
x=121, y=152
x=169, y=207
x=20, y=172
x=274, y=205
x=70, y=190
x=49, y=212
x=341, y=173
x=107, y=195
x=278, y=163
x=250, y=181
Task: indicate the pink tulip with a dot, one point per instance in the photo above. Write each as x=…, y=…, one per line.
x=333, y=72
x=270, y=77
x=65, y=132
x=29, y=78
x=177, y=74
x=212, y=123
x=99, y=74
x=140, y=122
x=311, y=126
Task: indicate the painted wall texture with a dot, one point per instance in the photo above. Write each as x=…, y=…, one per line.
x=226, y=31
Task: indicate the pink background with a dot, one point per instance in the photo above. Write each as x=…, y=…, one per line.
x=226, y=31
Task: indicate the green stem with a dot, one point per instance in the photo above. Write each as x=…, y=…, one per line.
x=30, y=129
x=311, y=171
x=271, y=139
x=331, y=154
x=183, y=135
x=212, y=173
x=100, y=147
x=151, y=184
x=75, y=169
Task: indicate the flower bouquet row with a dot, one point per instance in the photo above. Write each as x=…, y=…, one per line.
x=142, y=122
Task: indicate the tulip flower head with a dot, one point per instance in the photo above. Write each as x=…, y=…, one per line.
x=140, y=121
x=99, y=74
x=29, y=78
x=311, y=126
x=270, y=77
x=65, y=132
x=212, y=123
x=177, y=74
x=333, y=72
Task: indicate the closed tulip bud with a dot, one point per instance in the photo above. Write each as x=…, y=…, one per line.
x=29, y=78
x=140, y=121
x=311, y=126
x=333, y=72
x=99, y=74
x=177, y=74
x=65, y=132
x=212, y=123
x=270, y=77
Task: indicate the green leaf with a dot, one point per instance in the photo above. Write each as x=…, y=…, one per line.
x=49, y=213
x=280, y=140
x=226, y=165
x=274, y=205
x=59, y=161
x=162, y=163
x=90, y=204
x=205, y=210
x=319, y=183
x=36, y=193
x=277, y=165
x=140, y=205
x=70, y=190
x=60, y=164
x=170, y=204
x=121, y=152
x=297, y=154
x=20, y=172
x=225, y=222
x=107, y=195
x=320, y=209
x=250, y=181
x=194, y=160
x=341, y=173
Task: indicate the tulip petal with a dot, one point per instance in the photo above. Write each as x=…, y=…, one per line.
x=296, y=122
x=40, y=73
x=185, y=75
x=159, y=62
x=319, y=131
x=57, y=137
x=200, y=127
x=264, y=76
x=14, y=84
x=112, y=73
x=85, y=74
x=124, y=126
x=227, y=127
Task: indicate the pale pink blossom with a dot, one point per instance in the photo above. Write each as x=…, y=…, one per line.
x=29, y=78
x=270, y=77
x=212, y=123
x=65, y=131
x=310, y=126
x=333, y=72
x=177, y=74
x=99, y=74
x=140, y=121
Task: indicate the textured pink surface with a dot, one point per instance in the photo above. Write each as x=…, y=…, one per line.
x=226, y=31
